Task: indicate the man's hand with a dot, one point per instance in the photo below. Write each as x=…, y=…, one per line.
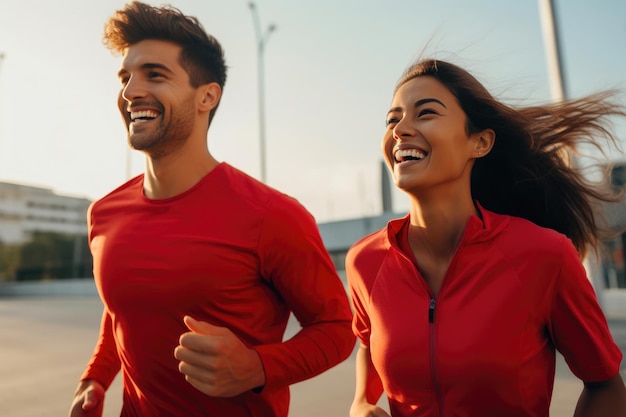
x=216, y=362
x=88, y=399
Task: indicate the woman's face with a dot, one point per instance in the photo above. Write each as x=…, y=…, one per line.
x=426, y=145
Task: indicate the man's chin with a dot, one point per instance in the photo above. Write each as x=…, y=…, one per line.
x=136, y=144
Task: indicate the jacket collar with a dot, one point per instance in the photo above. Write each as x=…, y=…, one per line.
x=486, y=226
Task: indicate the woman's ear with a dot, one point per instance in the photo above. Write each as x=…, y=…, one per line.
x=209, y=96
x=484, y=142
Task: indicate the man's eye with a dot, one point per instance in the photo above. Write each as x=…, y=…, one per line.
x=154, y=74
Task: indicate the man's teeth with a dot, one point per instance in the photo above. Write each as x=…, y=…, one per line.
x=143, y=115
x=409, y=154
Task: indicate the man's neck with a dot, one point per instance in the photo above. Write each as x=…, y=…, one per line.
x=176, y=173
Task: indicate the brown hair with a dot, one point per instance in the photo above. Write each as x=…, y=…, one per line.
x=529, y=172
x=202, y=56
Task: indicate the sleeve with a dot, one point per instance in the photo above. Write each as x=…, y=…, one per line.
x=104, y=363
x=294, y=259
x=361, y=323
x=360, y=319
x=578, y=326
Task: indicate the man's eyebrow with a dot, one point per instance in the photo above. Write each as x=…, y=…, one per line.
x=418, y=103
x=147, y=66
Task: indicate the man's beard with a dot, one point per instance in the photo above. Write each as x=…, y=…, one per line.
x=166, y=138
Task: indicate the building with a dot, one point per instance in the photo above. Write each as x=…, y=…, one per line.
x=26, y=209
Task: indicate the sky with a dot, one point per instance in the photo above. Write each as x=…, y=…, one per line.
x=330, y=69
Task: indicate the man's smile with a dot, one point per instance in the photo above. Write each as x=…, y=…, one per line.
x=143, y=116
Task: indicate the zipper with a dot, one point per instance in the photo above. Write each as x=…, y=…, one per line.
x=433, y=354
x=431, y=315
x=431, y=320
x=431, y=311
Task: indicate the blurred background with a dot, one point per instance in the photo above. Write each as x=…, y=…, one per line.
x=303, y=110
x=330, y=68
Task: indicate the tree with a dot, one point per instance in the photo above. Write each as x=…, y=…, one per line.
x=9, y=261
x=54, y=256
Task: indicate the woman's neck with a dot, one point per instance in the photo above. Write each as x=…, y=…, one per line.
x=437, y=228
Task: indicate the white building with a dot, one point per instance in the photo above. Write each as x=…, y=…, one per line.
x=26, y=209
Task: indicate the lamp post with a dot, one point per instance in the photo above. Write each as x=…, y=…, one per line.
x=552, y=46
x=2, y=56
x=558, y=90
x=261, y=38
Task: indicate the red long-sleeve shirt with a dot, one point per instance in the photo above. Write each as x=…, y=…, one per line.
x=230, y=251
x=485, y=346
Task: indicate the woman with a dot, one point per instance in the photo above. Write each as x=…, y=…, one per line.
x=460, y=305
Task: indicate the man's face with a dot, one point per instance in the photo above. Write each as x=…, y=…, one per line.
x=156, y=99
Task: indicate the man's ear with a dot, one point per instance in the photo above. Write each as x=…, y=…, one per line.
x=209, y=96
x=484, y=142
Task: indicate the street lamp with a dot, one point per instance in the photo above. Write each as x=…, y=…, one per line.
x=2, y=56
x=558, y=90
x=552, y=45
x=262, y=38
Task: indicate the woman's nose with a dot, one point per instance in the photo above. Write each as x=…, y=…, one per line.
x=403, y=129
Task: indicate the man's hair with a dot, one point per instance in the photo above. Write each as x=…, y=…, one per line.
x=201, y=56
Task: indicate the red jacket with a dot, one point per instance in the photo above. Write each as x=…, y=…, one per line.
x=230, y=251
x=486, y=345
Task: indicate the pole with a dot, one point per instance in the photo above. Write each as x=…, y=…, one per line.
x=553, y=51
x=262, y=39
x=2, y=57
x=592, y=263
x=129, y=163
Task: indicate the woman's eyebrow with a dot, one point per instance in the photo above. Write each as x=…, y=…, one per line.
x=428, y=100
x=417, y=104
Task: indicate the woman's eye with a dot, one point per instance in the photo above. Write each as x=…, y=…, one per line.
x=391, y=121
x=425, y=112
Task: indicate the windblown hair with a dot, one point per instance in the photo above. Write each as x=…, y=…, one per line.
x=530, y=172
x=202, y=56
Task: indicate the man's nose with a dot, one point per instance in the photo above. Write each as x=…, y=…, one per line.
x=133, y=89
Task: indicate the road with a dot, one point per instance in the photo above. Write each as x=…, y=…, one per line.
x=46, y=341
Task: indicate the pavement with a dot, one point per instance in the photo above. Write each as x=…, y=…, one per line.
x=45, y=342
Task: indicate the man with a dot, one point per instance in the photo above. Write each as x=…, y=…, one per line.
x=198, y=265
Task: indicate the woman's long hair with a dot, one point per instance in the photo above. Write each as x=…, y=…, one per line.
x=531, y=172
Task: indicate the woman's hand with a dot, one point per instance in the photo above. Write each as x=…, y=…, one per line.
x=367, y=410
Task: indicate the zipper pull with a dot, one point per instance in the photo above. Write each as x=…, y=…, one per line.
x=431, y=311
